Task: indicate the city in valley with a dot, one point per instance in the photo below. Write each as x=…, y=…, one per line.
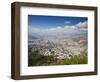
x=59, y=48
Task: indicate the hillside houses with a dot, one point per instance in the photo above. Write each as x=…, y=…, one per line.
x=59, y=48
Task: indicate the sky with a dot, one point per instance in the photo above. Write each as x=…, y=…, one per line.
x=38, y=23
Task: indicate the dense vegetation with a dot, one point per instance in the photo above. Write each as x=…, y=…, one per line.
x=35, y=59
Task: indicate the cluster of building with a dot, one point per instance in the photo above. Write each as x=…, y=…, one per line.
x=58, y=48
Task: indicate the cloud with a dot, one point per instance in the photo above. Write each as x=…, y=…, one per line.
x=53, y=29
x=58, y=29
x=67, y=22
x=70, y=27
x=82, y=24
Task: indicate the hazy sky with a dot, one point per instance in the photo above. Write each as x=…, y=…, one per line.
x=56, y=23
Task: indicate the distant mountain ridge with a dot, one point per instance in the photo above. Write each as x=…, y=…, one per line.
x=56, y=35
